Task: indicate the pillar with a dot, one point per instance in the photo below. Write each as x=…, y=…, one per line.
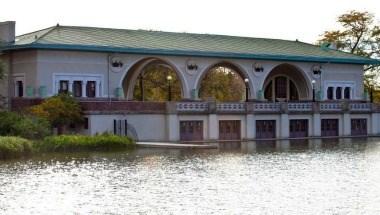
x=213, y=127
x=375, y=128
x=251, y=127
x=346, y=124
x=172, y=127
x=316, y=124
x=84, y=85
x=284, y=128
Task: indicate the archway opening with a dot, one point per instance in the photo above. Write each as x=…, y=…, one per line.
x=224, y=83
x=152, y=80
x=286, y=83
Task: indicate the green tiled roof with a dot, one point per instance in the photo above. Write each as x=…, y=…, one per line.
x=168, y=43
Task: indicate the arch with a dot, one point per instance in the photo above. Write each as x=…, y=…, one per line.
x=293, y=75
x=224, y=63
x=131, y=75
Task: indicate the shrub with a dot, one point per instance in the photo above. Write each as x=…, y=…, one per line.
x=14, y=147
x=59, y=110
x=30, y=127
x=75, y=143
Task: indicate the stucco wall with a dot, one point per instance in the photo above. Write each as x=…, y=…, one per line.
x=40, y=66
x=149, y=127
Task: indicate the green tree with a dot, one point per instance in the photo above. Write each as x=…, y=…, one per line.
x=1, y=70
x=360, y=35
x=222, y=84
x=61, y=110
x=153, y=84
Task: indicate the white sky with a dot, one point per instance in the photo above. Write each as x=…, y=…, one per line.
x=304, y=20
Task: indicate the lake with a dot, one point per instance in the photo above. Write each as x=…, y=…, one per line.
x=302, y=177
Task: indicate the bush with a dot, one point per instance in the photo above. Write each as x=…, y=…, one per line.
x=30, y=127
x=76, y=143
x=14, y=147
x=59, y=110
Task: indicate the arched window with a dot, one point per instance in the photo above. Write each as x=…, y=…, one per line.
x=281, y=87
x=347, y=92
x=338, y=93
x=330, y=93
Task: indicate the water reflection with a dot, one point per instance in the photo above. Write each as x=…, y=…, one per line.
x=264, y=177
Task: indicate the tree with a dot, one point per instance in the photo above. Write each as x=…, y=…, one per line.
x=1, y=70
x=358, y=35
x=61, y=110
x=222, y=84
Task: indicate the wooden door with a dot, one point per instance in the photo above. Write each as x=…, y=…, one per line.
x=298, y=128
x=191, y=130
x=229, y=130
x=358, y=127
x=329, y=127
x=265, y=129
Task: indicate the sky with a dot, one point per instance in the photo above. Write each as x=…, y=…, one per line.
x=304, y=20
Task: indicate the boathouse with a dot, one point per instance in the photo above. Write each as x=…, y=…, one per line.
x=292, y=89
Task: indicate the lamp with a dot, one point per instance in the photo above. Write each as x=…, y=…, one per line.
x=313, y=86
x=317, y=69
x=169, y=78
x=246, y=81
x=192, y=66
x=258, y=67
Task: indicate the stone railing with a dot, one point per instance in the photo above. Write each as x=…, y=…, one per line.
x=266, y=107
x=360, y=107
x=330, y=106
x=192, y=106
x=301, y=107
x=195, y=107
x=231, y=107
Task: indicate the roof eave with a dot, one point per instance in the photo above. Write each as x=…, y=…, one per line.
x=189, y=53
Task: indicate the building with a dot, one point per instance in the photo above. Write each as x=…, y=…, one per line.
x=295, y=89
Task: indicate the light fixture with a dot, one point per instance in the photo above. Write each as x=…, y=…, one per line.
x=317, y=69
x=258, y=67
x=246, y=80
x=313, y=83
x=192, y=66
x=169, y=77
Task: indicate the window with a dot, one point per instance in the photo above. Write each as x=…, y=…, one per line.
x=330, y=93
x=77, y=88
x=281, y=87
x=268, y=91
x=338, y=93
x=91, y=89
x=63, y=87
x=19, y=89
x=347, y=92
x=85, y=124
x=80, y=85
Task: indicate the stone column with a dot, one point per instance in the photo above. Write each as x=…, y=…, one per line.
x=172, y=122
x=213, y=127
x=346, y=124
x=70, y=87
x=84, y=85
x=375, y=119
x=250, y=126
x=316, y=120
x=284, y=121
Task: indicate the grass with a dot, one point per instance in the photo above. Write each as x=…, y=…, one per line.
x=80, y=143
x=14, y=147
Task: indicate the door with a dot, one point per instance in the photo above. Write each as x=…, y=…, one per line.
x=265, y=129
x=191, y=130
x=229, y=130
x=329, y=127
x=358, y=127
x=298, y=128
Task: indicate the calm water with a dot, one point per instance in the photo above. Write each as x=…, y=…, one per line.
x=341, y=177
